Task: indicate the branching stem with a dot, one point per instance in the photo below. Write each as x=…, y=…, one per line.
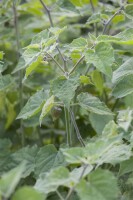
x=52, y=25
x=58, y=64
x=59, y=195
x=75, y=66
x=72, y=189
x=110, y=20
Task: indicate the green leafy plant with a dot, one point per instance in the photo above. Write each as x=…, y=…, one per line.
x=66, y=100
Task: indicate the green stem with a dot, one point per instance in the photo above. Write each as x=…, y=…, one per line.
x=67, y=120
x=110, y=20
x=52, y=25
x=59, y=195
x=21, y=72
x=75, y=66
x=56, y=62
x=72, y=188
x=76, y=129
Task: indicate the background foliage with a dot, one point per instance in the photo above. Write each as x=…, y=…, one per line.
x=66, y=99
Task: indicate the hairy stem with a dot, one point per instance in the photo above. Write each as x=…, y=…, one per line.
x=110, y=20
x=48, y=13
x=21, y=72
x=52, y=25
x=76, y=129
x=72, y=189
x=67, y=120
x=59, y=195
x=58, y=64
x=75, y=66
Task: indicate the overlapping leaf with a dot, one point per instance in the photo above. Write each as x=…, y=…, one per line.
x=38, y=160
x=93, y=104
x=28, y=193
x=9, y=181
x=100, y=184
x=101, y=151
x=123, y=79
x=102, y=57
x=64, y=88
x=34, y=105
x=124, y=38
x=46, y=108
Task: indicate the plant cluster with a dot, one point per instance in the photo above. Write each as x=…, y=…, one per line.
x=66, y=100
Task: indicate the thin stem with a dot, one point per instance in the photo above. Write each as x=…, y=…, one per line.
x=110, y=20
x=21, y=72
x=115, y=104
x=52, y=25
x=64, y=60
x=72, y=189
x=56, y=62
x=75, y=66
x=76, y=129
x=67, y=120
x=59, y=195
x=48, y=13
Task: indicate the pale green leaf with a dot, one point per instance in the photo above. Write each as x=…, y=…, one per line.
x=49, y=182
x=85, y=80
x=101, y=151
x=80, y=3
x=33, y=66
x=126, y=167
x=34, y=104
x=40, y=37
x=129, y=11
x=9, y=181
x=110, y=130
x=98, y=122
x=78, y=44
x=125, y=37
x=48, y=158
x=5, y=81
x=123, y=79
x=77, y=172
x=38, y=160
x=57, y=31
x=125, y=118
x=73, y=155
x=28, y=193
x=93, y=104
x=101, y=185
x=46, y=108
x=96, y=17
x=98, y=81
x=123, y=71
x=124, y=87
x=102, y=57
x=64, y=88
